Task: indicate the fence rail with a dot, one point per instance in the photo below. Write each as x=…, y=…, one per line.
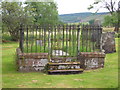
x=60, y=40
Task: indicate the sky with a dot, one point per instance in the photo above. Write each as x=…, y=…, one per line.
x=75, y=6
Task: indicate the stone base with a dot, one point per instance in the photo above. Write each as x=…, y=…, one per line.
x=91, y=60
x=28, y=62
x=37, y=62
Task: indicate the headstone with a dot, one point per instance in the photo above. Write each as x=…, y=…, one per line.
x=39, y=42
x=59, y=53
x=97, y=22
x=108, y=42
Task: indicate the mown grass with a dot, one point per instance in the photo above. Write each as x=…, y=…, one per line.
x=100, y=78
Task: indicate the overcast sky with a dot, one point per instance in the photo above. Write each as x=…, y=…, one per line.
x=75, y=6
x=72, y=6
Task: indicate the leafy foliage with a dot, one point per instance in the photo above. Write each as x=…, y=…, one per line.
x=16, y=13
x=13, y=15
x=43, y=12
x=110, y=20
x=91, y=21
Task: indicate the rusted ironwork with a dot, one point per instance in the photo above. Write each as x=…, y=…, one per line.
x=60, y=40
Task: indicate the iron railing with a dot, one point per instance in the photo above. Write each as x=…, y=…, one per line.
x=60, y=40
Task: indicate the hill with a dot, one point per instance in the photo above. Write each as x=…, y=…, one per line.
x=82, y=17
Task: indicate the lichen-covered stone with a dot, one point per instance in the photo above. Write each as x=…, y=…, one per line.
x=91, y=60
x=108, y=42
x=28, y=62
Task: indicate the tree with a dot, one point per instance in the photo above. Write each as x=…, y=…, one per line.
x=113, y=6
x=13, y=14
x=110, y=20
x=43, y=12
x=91, y=21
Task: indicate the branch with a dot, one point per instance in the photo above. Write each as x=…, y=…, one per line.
x=107, y=6
x=112, y=6
x=118, y=6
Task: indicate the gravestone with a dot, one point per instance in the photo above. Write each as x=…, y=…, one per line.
x=39, y=42
x=59, y=53
x=108, y=42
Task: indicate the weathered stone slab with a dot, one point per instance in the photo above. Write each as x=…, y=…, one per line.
x=91, y=60
x=28, y=62
x=59, y=53
x=28, y=65
x=39, y=42
x=108, y=42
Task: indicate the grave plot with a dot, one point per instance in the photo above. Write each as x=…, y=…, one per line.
x=59, y=45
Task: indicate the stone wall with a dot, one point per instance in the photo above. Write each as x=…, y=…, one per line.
x=27, y=62
x=108, y=42
x=91, y=60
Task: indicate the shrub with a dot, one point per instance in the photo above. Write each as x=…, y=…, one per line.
x=6, y=37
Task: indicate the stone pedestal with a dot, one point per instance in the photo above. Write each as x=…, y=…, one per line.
x=91, y=60
x=28, y=62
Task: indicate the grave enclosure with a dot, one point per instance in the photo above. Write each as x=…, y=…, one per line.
x=60, y=48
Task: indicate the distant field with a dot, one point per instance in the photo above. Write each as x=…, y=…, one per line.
x=82, y=17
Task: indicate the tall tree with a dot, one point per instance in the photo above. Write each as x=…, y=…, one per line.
x=110, y=20
x=91, y=21
x=113, y=6
x=43, y=12
x=13, y=14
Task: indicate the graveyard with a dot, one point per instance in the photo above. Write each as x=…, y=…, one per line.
x=44, y=47
x=61, y=49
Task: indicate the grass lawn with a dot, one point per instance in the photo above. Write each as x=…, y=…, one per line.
x=100, y=78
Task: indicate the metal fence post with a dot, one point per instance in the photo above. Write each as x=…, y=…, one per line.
x=21, y=38
x=49, y=40
x=78, y=38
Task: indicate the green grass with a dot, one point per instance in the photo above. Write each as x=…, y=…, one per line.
x=100, y=78
x=70, y=48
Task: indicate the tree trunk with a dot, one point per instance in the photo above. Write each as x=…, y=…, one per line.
x=116, y=28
